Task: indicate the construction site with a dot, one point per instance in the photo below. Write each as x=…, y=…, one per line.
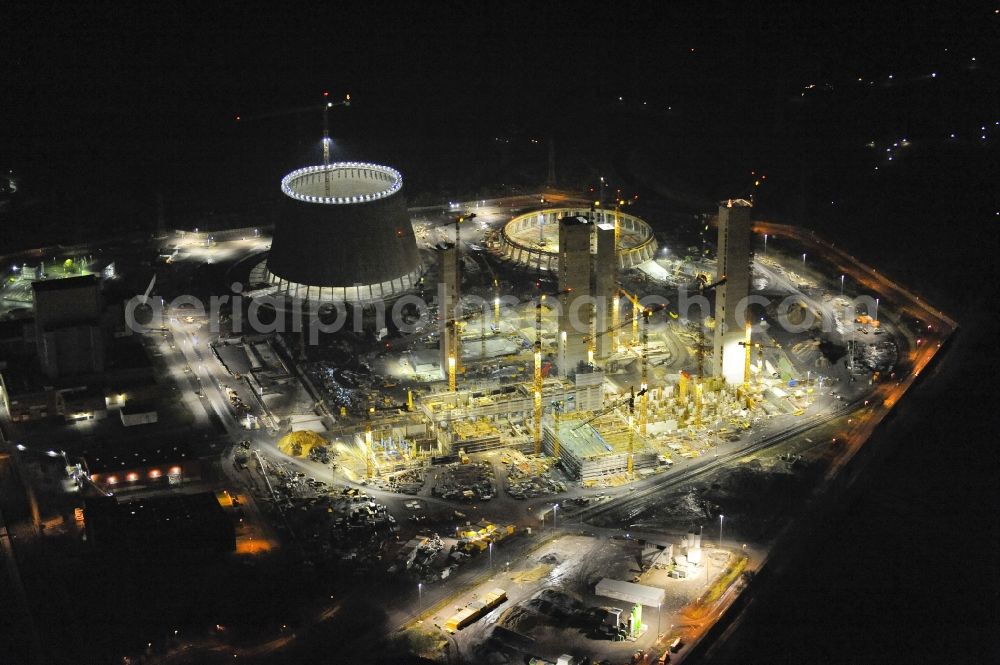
x=566, y=363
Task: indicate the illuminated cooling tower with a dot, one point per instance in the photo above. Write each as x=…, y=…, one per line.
x=343, y=235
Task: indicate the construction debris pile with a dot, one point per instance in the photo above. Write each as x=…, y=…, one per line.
x=469, y=482
x=409, y=481
x=358, y=528
x=527, y=476
x=421, y=558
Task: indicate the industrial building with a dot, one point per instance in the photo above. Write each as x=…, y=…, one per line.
x=734, y=264
x=575, y=314
x=588, y=454
x=143, y=467
x=29, y=395
x=343, y=235
x=605, y=287
x=630, y=592
x=166, y=524
x=68, y=336
x=584, y=389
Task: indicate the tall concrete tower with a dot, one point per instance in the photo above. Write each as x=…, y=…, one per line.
x=733, y=264
x=605, y=285
x=574, y=275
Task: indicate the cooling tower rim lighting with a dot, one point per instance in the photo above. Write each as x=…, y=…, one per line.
x=289, y=181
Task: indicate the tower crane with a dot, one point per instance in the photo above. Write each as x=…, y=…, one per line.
x=558, y=406
x=636, y=309
x=369, y=452
x=616, y=317
x=625, y=401
x=451, y=323
x=369, y=430
x=647, y=311
x=703, y=288
x=453, y=333
x=326, y=138
x=537, y=385
x=644, y=361
x=482, y=335
x=643, y=385
x=748, y=345
x=618, y=226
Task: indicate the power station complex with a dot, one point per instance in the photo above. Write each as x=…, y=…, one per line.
x=590, y=374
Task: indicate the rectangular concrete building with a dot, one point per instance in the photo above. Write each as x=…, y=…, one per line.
x=586, y=455
x=734, y=263
x=68, y=334
x=629, y=592
x=605, y=286
x=575, y=317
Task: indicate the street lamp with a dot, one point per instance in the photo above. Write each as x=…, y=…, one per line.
x=658, y=633
x=765, y=245
x=803, y=259
x=420, y=596
x=876, y=309
x=50, y=453
x=60, y=453
x=491, y=558
x=555, y=514
x=841, y=285
x=721, y=517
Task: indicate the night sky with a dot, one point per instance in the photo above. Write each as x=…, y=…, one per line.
x=103, y=106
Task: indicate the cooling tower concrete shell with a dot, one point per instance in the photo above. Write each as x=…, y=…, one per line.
x=343, y=234
x=531, y=240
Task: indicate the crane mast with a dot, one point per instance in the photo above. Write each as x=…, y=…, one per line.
x=703, y=287
x=631, y=430
x=369, y=453
x=452, y=324
x=537, y=386
x=643, y=385
x=538, y=376
x=326, y=138
x=326, y=148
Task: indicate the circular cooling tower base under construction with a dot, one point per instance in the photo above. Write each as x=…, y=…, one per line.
x=531, y=240
x=343, y=234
